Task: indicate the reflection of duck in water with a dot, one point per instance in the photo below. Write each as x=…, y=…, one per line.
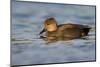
x=54, y=32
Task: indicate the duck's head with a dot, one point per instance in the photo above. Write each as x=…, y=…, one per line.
x=50, y=24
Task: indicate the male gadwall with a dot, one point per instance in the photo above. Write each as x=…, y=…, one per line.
x=63, y=31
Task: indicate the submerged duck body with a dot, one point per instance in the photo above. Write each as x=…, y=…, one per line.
x=63, y=31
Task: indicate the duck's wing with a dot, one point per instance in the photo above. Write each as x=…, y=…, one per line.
x=84, y=28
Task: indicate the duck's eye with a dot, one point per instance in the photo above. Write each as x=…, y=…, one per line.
x=48, y=24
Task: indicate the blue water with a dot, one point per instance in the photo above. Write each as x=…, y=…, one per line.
x=27, y=22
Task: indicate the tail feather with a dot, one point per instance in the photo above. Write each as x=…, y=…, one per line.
x=86, y=31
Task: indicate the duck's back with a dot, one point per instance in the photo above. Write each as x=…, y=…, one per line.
x=69, y=25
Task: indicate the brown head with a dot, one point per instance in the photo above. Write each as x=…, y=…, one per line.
x=50, y=24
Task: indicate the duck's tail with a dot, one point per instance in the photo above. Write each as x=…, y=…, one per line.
x=86, y=30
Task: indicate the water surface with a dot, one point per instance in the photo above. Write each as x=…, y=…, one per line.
x=27, y=22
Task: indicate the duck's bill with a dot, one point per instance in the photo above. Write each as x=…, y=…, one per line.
x=42, y=31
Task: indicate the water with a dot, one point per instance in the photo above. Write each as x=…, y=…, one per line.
x=27, y=22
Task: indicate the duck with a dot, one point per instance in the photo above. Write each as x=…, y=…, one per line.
x=54, y=32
